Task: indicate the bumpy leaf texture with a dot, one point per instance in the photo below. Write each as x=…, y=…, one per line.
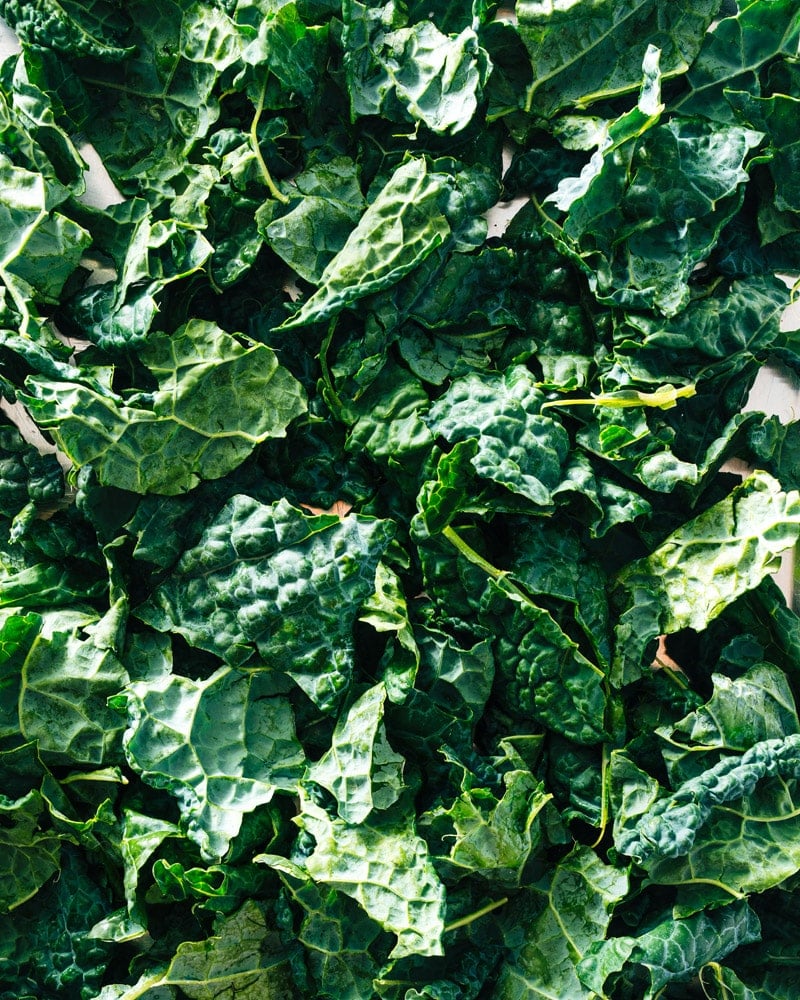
x=380, y=615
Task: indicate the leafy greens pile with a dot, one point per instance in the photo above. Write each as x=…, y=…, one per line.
x=327, y=669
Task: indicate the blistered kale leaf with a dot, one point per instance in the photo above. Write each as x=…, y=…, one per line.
x=381, y=614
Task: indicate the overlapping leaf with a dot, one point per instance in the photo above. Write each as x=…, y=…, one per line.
x=244, y=960
x=173, y=740
x=415, y=710
x=275, y=581
x=517, y=445
x=672, y=951
x=411, y=72
x=571, y=913
x=583, y=52
x=361, y=770
x=746, y=531
x=207, y=415
x=732, y=826
x=386, y=868
x=404, y=224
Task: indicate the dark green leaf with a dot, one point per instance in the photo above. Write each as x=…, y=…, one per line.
x=208, y=414
x=414, y=72
x=672, y=951
x=736, y=51
x=584, y=52
x=303, y=584
x=517, y=445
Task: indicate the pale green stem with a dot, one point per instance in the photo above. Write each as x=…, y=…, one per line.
x=464, y=921
x=273, y=187
x=497, y=574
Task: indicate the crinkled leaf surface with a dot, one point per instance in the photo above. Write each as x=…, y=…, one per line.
x=148, y=256
x=671, y=951
x=723, y=329
x=41, y=246
x=733, y=826
x=65, y=685
x=31, y=852
x=742, y=535
x=68, y=30
x=47, y=940
x=386, y=868
x=411, y=72
x=565, y=916
x=361, y=770
x=338, y=936
x=216, y=401
x=404, y=224
x=517, y=445
x=274, y=581
x=368, y=592
x=491, y=835
x=741, y=712
x=174, y=741
x=546, y=677
x=244, y=960
x=682, y=182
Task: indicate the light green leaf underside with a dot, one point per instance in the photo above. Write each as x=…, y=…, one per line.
x=563, y=918
x=216, y=773
x=703, y=566
x=386, y=868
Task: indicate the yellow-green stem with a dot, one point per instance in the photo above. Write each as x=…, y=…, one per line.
x=274, y=190
x=464, y=921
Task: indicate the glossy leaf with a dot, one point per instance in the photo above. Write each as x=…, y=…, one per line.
x=566, y=916
x=583, y=52
x=736, y=51
x=685, y=180
x=208, y=414
x=304, y=588
x=444, y=87
x=173, y=742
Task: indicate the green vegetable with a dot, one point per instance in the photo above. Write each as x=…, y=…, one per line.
x=378, y=617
